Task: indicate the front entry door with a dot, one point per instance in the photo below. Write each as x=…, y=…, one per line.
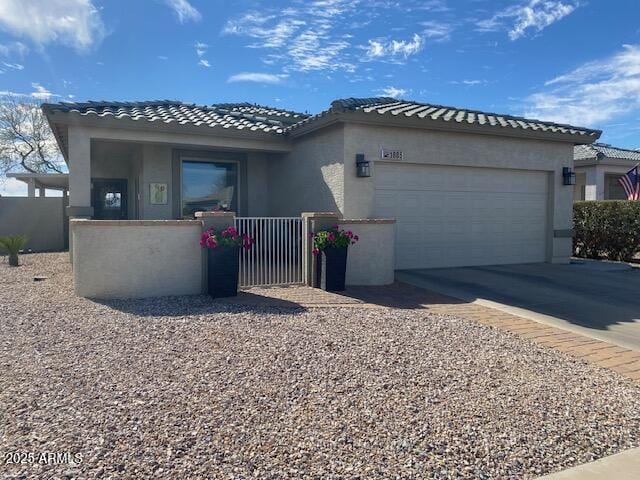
x=109, y=198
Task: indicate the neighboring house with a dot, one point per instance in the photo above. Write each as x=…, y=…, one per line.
x=465, y=187
x=598, y=168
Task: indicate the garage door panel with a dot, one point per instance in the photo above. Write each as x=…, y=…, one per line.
x=455, y=216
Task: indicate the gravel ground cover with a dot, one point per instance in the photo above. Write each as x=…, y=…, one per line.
x=183, y=387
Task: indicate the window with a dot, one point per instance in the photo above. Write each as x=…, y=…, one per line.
x=208, y=186
x=612, y=188
x=112, y=200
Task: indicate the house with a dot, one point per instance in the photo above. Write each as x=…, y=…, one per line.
x=598, y=167
x=465, y=187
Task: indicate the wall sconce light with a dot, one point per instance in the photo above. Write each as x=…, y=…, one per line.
x=363, y=167
x=568, y=176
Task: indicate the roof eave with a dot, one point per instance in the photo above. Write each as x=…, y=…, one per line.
x=62, y=120
x=358, y=116
x=619, y=162
x=49, y=113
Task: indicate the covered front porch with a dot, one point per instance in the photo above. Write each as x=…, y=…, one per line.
x=145, y=180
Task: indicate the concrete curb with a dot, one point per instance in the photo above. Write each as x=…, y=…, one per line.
x=622, y=466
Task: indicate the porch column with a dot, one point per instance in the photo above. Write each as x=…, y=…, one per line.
x=41, y=191
x=594, y=185
x=79, y=160
x=79, y=157
x=31, y=188
x=218, y=221
x=313, y=222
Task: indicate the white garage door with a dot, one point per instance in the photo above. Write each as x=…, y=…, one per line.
x=458, y=216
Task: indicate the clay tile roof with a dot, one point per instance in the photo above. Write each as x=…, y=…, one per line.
x=451, y=115
x=225, y=115
x=602, y=150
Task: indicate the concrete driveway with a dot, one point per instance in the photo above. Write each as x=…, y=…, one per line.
x=598, y=299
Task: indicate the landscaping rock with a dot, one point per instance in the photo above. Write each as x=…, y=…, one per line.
x=183, y=387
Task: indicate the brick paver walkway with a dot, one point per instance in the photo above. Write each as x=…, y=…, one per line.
x=399, y=295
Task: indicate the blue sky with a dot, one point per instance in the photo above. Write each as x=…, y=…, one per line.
x=575, y=61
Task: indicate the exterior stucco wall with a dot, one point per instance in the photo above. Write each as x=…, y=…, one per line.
x=371, y=260
x=41, y=219
x=257, y=184
x=114, y=160
x=579, y=189
x=151, y=147
x=156, y=168
x=136, y=259
x=142, y=164
x=461, y=149
x=311, y=177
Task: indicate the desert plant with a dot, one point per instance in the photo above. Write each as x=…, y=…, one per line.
x=13, y=245
x=609, y=228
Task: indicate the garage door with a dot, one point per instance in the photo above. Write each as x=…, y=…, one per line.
x=458, y=216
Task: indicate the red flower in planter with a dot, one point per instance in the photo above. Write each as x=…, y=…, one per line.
x=333, y=238
x=226, y=238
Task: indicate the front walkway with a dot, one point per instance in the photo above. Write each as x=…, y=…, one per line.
x=400, y=295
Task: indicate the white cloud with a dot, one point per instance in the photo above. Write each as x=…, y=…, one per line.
x=11, y=187
x=204, y=63
x=74, y=23
x=257, y=77
x=311, y=51
x=393, y=92
x=469, y=83
x=39, y=93
x=13, y=66
x=184, y=11
x=201, y=48
x=305, y=38
x=262, y=27
x=593, y=93
x=535, y=14
x=13, y=48
x=395, y=48
x=437, y=31
x=163, y=57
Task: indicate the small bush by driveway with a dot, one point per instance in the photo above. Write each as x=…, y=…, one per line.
x=186, y=388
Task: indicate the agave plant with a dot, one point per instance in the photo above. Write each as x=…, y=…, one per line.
x=13, y=245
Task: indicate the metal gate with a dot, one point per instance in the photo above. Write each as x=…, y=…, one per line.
x=276, y=257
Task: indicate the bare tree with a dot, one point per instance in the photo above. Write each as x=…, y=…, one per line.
x=26, y=141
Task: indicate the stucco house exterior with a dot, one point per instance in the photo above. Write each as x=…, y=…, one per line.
x=598, y=167
x=464, y=187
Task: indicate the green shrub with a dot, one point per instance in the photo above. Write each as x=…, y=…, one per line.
x=13, y=245
x=608, y=229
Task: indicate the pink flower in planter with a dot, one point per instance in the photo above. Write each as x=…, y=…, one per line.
x=331, y=237
x=315, y=251
x=211, y=242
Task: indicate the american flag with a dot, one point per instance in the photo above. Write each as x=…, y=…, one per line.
x=630, y=181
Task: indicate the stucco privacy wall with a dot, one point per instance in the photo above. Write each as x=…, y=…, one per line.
x=136, y=259
x=41, y=219
x=309, y=178
x=422, y=146
x=371, y=260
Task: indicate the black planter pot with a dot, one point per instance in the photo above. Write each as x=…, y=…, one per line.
x=332, y=269
x=222, y=272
